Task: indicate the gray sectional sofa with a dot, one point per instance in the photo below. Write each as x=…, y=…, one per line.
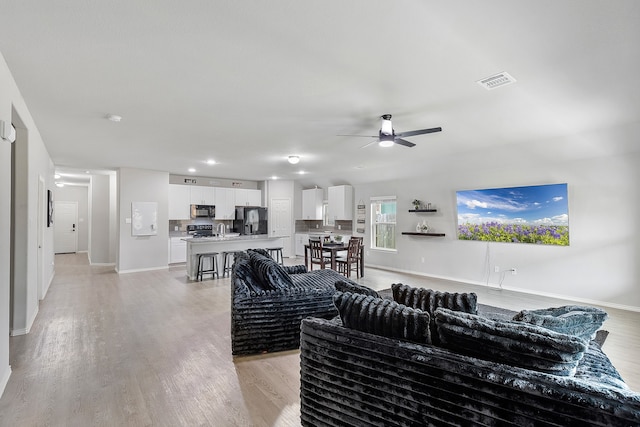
x=268, y=302
x=375, y=365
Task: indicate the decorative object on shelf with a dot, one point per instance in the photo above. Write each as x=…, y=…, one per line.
x=422, y=227
x=416, y=204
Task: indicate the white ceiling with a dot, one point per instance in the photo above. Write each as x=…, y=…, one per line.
x=249, y=82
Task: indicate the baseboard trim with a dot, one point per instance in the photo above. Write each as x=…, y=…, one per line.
x=511, y=289
x=4, y=380
x=140, y=270
x=103, y=264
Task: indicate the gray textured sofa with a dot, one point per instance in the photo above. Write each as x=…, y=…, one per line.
x=268, y=302
x=352, y=377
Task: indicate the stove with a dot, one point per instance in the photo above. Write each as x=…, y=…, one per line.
x=200, y=230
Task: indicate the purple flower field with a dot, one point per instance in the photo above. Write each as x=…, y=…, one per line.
x=516, y=233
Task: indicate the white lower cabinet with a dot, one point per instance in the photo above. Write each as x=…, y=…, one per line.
x=301, y=240
x=177, y=250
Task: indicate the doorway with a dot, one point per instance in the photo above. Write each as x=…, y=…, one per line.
x=280, y=222
x=65, y=221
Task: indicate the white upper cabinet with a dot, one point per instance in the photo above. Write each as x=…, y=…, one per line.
x=225, y=203
x=202, y=195
x=312, y=203
x=179, y=200
x=340, y=205
x=248, y=197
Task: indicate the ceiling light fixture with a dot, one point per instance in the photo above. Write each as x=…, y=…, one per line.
x=114, y=118
x=211, y=162
x=59, y=184
x=294, y=160
x=274, y=177
x=386, y=140
x=56, y=176
x=192, y=170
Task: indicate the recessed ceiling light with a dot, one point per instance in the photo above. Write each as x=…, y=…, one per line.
x=114, y=118
x=274, y=177
x=211, y=162
x=301, y=172
x=56, y=176
x=294, y=159
x=192, y=170
x=59, y=184
x=87, y=171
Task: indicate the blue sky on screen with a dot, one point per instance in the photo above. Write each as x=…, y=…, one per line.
x=531, y=205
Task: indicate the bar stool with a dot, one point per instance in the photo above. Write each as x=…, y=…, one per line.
x=227, y=261
x=214, y=265
x=276, y=254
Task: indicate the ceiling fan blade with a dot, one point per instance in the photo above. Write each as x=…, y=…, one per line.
x=418, y=132
x=372, y=142
x=404, y=142
x=362, y=136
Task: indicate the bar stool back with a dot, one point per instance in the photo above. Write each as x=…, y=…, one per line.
x=276, y=254
x=227, y=261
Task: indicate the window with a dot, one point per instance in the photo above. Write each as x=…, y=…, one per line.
x=383, y=223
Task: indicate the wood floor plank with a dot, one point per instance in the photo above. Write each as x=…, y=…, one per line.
x=153, y=349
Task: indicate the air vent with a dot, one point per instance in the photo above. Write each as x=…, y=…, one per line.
x=497, y=80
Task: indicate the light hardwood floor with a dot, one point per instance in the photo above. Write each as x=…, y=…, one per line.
x=153, y=348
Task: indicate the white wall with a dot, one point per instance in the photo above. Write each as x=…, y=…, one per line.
x=601, y=263
x=145, y=252
x=100, y=196
x=39, y=165
x=79, y=194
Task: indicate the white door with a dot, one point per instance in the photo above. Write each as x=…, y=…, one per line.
x=280, y=222
x=65, y=225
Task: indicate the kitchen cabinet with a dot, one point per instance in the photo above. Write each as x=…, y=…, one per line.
x=177, y=250
x=179, y=200
x=340, y=206
x=312, y=203
x=225, y=201
x=248, y=197
x=301, y=240
x=202, y=195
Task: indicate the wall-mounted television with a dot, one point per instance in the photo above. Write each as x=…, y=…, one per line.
x=535, y=214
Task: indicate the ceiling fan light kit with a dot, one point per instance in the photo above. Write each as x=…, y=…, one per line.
x=294, y=160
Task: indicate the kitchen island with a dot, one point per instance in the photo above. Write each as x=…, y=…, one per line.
x=199, y=245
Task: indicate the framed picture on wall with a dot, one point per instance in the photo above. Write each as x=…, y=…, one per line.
x=49, y=208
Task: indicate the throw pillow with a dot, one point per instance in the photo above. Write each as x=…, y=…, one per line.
x=382, y=317
x=429, y=300
x=269, y=272
x=295, y=269
x=576, y=320
x=512, y=343
x=355, y=288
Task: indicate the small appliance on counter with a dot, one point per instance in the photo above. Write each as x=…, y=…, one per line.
x=250, y=220
x=203, y=211
x=200, y=230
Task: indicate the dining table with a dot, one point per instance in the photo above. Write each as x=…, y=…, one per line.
x=334, y=248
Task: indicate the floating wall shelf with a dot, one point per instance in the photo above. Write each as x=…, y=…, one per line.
x=415, y=233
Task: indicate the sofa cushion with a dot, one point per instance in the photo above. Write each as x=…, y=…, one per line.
x=295, y=269
x=269, y=272
x=355, y=288
x=429, y=300
x=382, y=317
x=576, y=320
x=243, y=271
x=596, y=368
x=512, y=343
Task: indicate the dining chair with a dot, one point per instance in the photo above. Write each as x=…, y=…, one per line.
x=318, y=255
x=346, y=264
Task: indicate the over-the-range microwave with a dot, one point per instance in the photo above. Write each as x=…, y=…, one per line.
x=203, y=211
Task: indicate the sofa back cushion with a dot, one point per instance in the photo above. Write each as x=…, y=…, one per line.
x=511, y=343
x=244, y=272
x=429, y=300
x=355, y=288
x=576, y=320
x=269, y=272
x=382, y=317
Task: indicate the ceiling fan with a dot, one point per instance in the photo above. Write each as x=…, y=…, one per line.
x=387, y=135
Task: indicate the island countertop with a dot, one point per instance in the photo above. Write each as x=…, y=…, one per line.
x=199, y=245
